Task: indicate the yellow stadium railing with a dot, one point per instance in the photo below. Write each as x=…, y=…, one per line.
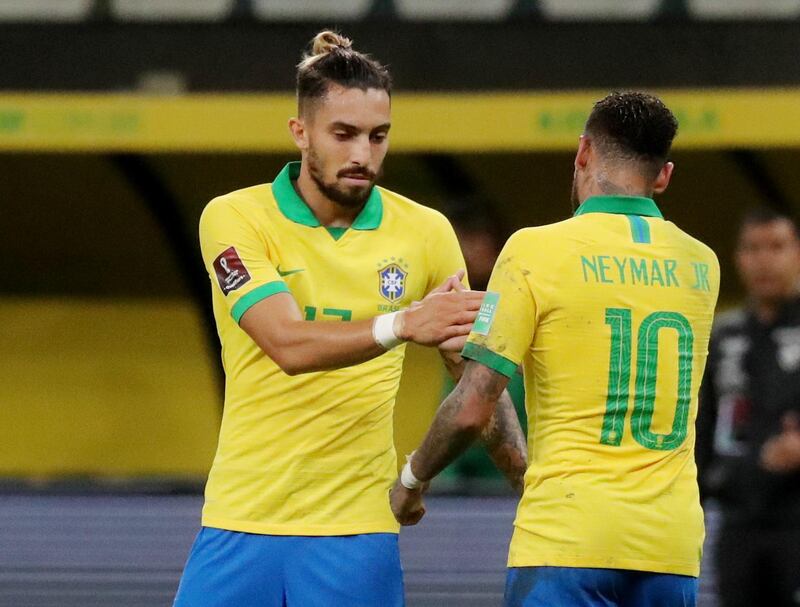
x=458, y=123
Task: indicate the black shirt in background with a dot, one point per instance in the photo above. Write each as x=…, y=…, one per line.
x=752, y=380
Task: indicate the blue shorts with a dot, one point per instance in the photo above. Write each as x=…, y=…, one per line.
x=578, y=587
x=233, y=569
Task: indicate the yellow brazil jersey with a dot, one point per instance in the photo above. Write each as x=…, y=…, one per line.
x=609, y=313
x=312, y=454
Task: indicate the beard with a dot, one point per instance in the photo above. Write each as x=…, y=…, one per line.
x=350, y=197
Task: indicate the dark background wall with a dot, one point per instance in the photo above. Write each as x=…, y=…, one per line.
x=523, y=53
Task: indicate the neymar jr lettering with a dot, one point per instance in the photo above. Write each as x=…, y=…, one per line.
x=610, y=269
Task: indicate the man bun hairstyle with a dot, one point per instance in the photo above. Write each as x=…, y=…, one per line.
x=633, y=126
x=324, y=44
x=332, y=59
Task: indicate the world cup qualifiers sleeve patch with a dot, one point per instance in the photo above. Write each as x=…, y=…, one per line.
x=486, y=314
x=230, y=270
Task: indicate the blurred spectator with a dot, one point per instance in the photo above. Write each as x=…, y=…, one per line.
x=481, y=235
x=749, y=421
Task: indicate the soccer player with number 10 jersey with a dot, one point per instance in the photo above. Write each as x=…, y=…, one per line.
x=609, y=313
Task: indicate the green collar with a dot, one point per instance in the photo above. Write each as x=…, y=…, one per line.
x=620, y=205
x=294, y=208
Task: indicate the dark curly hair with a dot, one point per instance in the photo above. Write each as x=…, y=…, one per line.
x=633, y=126
x=333, y=60
x=761, y=215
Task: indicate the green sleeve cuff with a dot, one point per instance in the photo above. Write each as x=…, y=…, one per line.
x=490, y=359
x=253, y=297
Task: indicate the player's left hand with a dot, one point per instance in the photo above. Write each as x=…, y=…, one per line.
x=781, y=453
x=452, y=283
x=407, y=504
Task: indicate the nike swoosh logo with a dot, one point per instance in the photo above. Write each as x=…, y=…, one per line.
x=288, y=272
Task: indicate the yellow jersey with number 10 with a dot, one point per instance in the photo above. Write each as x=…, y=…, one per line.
x=312, y=454
x=609, y=313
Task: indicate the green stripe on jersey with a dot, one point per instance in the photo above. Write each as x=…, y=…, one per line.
x=253, y=297
x=490, y=359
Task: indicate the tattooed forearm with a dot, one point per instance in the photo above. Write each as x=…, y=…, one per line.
x=505, y=442
x=446, y=438
x=459, y=420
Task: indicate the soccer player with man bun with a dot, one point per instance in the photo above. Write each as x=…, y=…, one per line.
x=318, y=279
x=609, y=313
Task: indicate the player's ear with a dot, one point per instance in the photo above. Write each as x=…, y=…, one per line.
x=297, y=128
x=584, y=152
x=664, y=175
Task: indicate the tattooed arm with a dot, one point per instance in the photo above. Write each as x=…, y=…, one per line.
x=459, y=421
x=505, y=442
x=502, y=436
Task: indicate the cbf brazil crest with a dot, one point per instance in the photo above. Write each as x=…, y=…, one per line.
x=392, y=282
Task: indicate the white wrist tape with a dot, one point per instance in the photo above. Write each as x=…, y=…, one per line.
x=407, y=478
x=383, y=331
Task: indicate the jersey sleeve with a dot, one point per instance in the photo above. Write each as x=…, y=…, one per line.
x=237, y=258
x=504, y=329
x=444, y=254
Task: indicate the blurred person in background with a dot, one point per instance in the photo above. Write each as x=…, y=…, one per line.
x=481, y=235
x=748, y=444
x=316, y=283
x=610, y=314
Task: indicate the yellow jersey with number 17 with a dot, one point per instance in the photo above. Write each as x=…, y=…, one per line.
x=609, y=313
x=312, y=454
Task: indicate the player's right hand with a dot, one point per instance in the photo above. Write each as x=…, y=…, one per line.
x=442, y=319
x=407, y=505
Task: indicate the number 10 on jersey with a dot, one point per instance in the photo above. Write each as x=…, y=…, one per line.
x=619, y=375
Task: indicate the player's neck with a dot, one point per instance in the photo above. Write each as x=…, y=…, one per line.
x=330, y=213
x=621, y=183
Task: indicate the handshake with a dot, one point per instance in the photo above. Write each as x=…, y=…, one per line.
x=443, y=319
